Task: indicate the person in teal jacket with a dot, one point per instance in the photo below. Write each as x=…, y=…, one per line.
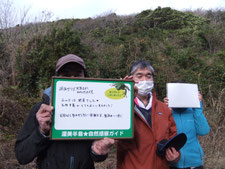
x=193, y=123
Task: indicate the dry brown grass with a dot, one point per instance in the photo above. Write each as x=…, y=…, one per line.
x=7, y=157
x=109, y=163
x=214, y=150
x=213, y=144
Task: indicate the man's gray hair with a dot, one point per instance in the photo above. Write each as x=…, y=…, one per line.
x=141, y=64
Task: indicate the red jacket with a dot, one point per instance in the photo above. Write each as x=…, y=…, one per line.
x=140, y=152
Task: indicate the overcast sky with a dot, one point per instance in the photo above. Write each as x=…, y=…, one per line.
x=92, y=8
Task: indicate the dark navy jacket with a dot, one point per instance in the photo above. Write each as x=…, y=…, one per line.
x=30, y=143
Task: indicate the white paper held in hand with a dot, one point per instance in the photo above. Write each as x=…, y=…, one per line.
x=183, y=95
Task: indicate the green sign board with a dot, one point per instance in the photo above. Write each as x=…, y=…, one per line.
x=92, y=108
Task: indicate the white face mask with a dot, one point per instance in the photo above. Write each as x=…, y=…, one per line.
x=144, y=87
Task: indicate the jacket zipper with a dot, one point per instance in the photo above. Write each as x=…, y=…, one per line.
x=151, y=128
x=71, y=162
x=182, y=132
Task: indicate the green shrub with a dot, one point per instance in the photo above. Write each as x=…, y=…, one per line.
x=36, y=63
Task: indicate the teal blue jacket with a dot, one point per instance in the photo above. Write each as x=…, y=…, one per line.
x=193, y=123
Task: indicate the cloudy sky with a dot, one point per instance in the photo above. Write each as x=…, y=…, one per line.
x=93, y=8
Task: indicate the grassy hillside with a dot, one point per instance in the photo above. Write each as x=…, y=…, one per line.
x=188, y=46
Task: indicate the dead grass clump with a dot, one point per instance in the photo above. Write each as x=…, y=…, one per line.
x=213, y=144
x=110, y=162
x=7, y=156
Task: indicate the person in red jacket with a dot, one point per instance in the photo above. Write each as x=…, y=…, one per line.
x=153, y=122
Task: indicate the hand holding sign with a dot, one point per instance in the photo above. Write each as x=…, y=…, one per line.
x=103, y=146
x=44, y=118
x=135, y=87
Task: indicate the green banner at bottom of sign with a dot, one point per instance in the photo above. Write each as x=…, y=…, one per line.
x=90, y=134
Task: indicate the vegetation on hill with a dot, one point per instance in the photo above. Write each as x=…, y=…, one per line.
x=188, y=46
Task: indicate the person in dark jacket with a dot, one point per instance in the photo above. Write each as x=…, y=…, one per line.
x=33, y=140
